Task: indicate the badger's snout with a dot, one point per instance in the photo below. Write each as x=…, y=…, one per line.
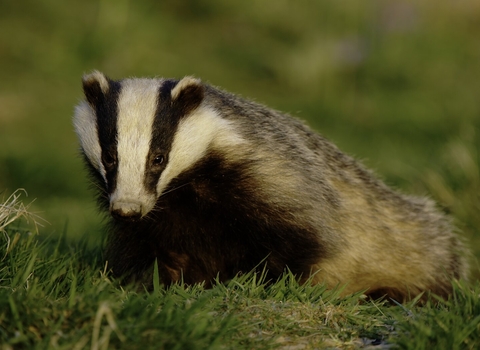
x=129, y=211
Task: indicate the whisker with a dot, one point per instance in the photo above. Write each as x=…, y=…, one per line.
x=152, y=215
x=174, y=189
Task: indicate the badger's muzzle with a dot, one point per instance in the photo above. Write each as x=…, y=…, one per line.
x=128, y=211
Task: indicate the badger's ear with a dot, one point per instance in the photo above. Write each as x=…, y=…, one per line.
x=95, y=86
x=188, y=94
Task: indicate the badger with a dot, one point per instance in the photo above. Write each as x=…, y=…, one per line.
x=208, y=185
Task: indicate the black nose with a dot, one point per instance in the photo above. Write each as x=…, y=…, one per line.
x=126, y=211
x=126, y=216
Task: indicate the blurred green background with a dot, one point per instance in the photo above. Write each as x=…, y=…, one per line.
x=395, y=83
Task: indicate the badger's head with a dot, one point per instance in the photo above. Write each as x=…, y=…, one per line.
x=139, y=134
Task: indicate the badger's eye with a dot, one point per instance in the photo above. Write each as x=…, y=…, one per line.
x=158, y=160
x=109, y=160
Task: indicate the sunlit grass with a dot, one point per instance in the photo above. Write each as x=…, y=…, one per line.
x=59, y=295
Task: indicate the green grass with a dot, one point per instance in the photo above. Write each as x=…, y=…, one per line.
x=394, y=83
x=58, y=295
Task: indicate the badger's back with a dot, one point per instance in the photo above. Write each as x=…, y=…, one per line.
x=211, y=184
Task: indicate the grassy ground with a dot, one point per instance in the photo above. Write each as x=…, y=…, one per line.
x=57, y=295
x=394, y=82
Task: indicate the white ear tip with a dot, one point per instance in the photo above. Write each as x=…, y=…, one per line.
x=184, y=83
x=99, y=77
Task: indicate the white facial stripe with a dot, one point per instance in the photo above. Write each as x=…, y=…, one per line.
x=137, y=105
x=195, y=134
x=85, y=123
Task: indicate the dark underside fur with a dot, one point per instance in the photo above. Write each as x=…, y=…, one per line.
x=200, y=229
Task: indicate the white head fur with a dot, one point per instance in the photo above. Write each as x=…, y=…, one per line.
x=136, y=108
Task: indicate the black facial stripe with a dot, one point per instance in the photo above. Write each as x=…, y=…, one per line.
x=164, y=127
x=107, y=115
x=167, y=118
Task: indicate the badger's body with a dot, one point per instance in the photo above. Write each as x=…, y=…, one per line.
x=210, y=184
